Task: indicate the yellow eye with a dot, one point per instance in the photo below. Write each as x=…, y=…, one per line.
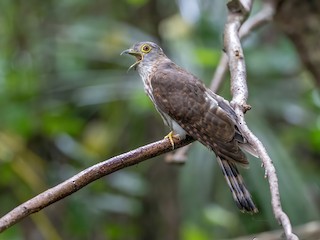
x=145, y=48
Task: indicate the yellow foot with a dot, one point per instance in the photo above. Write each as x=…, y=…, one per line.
x=171, y=136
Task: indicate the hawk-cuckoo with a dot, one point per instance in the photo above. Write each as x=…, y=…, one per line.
x=189, y=108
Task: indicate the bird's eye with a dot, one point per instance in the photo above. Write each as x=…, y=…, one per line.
x=145, y=48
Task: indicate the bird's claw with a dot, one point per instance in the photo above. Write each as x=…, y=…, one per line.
x=171, y=136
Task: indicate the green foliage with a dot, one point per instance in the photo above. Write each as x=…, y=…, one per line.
x=67, y=102
x=193, y=233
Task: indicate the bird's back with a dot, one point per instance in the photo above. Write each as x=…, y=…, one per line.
x=197, y=110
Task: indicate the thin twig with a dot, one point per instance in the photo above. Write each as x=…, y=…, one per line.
x=262, y=17
x=87, y=176
x=237, y=13
x=219, y=73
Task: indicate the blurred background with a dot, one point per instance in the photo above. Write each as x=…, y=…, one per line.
x=67, y=102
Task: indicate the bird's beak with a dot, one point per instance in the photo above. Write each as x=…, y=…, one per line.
x=138, y=56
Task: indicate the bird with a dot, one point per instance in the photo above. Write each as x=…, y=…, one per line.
x=189, y=108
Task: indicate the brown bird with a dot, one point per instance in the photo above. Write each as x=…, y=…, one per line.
x=189, y=108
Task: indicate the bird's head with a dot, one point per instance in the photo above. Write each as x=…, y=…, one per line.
x=145, y=53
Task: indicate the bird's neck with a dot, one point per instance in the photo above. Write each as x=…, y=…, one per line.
x=145, y=70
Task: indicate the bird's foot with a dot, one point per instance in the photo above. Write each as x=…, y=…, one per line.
x=171, y=136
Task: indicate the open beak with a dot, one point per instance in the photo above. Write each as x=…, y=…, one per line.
x=138, y=56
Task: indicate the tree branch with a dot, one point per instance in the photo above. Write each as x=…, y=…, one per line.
x=264, y=16
x=237, y=13
x=87, y=176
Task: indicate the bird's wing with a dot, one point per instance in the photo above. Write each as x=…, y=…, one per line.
x=186, y=100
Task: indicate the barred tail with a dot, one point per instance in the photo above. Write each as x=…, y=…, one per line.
x=236, y=184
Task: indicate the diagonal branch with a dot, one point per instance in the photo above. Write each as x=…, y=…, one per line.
x=87, y=176
x=236, y=15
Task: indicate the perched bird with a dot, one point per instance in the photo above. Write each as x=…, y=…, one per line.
x=189, y=108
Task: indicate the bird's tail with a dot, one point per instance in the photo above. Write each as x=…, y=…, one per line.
x=236, y=184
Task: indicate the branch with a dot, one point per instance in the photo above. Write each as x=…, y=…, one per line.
x=264, y=16
x=87, y=176
x=237, y=13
